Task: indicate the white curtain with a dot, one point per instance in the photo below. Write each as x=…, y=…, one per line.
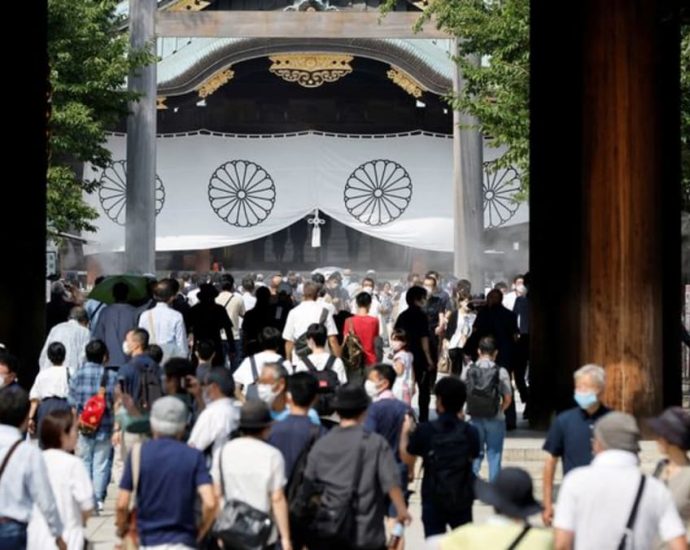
x=218, y=190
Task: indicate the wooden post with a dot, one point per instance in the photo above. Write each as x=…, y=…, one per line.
x=605, y=234
x=468, y=214
x=140, y=221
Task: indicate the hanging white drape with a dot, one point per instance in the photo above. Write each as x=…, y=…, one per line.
x=218, y=190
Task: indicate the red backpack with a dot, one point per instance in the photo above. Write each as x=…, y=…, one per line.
x=94, y=409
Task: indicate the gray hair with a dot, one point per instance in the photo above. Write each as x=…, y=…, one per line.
x=279, y=370
x=79, y=314
x=595, y=372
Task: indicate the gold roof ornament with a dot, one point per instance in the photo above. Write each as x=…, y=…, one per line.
x=189, y=5
x=406, y=82
x=311, y=70
x=210, y=85
x=160, y=102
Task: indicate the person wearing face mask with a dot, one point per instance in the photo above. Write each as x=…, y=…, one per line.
x=403, y=388
x=9, y=365
x=570, y=436
x=368, y=286
x=391, y=419
x=272, y=390
x=219, y=419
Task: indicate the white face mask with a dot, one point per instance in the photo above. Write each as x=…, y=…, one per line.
x=521, y=289
x=266, y=393
x=367, y=289
x=2, y=380
x=125, y=348
x=429, y=290
x=397, y=346
x=371, y=388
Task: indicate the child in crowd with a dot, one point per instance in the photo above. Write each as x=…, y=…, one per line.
x=403, y=388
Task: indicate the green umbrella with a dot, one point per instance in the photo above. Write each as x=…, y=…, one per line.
x=137, y=284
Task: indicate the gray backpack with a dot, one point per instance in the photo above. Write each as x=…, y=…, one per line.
x=483, y=396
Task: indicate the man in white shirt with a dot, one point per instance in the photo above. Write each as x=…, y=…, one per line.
x=250, y=368
x=305, y=314
x=248, y=294
x=319, y=356
x=518, y=290
x=595, y=502
x=220, y=417
x=74, y=335
x=234, y=305
x=368, y=286
x=164, y=325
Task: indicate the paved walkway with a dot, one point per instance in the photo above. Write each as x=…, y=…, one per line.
x=522, y=448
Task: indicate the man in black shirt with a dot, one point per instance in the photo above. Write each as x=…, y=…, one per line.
x=416, y=325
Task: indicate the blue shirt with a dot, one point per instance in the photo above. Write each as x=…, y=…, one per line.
x=385, y=417
x=169, y=477
x=84, y=385
x=290, y=436
x=280, y=416
x=570, y=437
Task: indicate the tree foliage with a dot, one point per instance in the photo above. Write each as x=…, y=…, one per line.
x=496, y=90
x=88, y=62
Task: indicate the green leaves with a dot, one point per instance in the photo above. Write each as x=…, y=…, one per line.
x=89, y=61
x=496, y=91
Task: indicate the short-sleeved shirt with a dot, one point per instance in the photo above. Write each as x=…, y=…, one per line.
x=169, y=477
x=570, y=437
x=415, y=324
x=595, y=501
x=290, y=436
x=333, y=461
x=244, y=374
x=252, y=471
x=85, y=384
x=504, y=385
x=129, y=375
x=52, y=382
x=420, y=442
x=319, y=360
x=305, y=314
x=385, y=417
x=367, y=328
x=496, y=533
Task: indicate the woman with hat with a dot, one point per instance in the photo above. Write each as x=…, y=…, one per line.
x=672, y=430
x=511, y=496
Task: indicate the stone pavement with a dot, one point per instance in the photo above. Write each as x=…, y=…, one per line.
x=522, y=449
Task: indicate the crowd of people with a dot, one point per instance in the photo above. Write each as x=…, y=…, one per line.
x=290, y=414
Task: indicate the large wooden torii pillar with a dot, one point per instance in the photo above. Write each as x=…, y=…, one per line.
x=140, y=226
x=604, y=201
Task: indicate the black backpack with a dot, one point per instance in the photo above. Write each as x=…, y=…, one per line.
x=328, y=384
x=449, y=469
x=150, y=389
x=292, y=489
x=483, y=396
x=301, y=347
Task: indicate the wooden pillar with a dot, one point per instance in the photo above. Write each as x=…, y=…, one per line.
x=605, y=233
x=140, y=221
x=23, y=225
x=468, y=215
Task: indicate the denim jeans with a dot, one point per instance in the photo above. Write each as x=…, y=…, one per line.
x=492, y=432
x=96, y=454
x=12, y=535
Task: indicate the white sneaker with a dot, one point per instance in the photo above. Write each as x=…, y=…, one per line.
x=100, y=506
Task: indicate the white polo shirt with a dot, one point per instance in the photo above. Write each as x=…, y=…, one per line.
x=595, y=502
x=214, y=425
x=243, y=375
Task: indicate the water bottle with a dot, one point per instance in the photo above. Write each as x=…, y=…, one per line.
x=396, y=535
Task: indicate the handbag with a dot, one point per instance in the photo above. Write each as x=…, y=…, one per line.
x=239, y=525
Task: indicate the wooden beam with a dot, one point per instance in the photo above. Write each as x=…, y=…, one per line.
x=280, y=24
